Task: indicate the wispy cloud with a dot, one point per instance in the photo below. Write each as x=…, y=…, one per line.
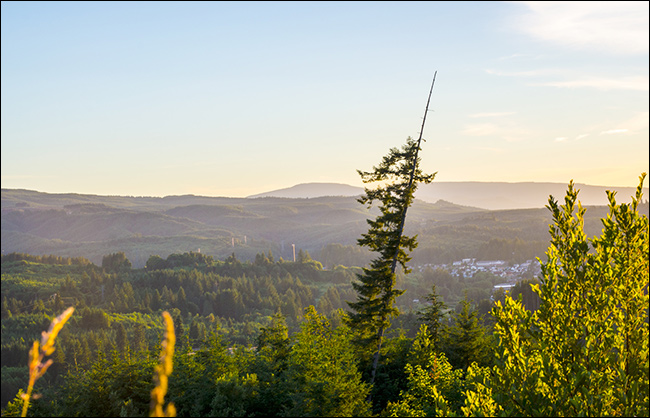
x=529, y=73
x=491, y=114
x=616, y=27
x=489, y=149
x=481, y=129
x=507, y=131
x=573, y=79
x=602, y=83
x=614, y=131
x=638, y=122
x=519, y=56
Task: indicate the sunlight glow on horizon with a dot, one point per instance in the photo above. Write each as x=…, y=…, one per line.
x=235, y=99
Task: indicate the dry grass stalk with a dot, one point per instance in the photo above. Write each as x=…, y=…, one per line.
x=163, y=370
x=36, y=366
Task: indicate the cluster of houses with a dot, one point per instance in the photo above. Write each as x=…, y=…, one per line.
x=511, y=273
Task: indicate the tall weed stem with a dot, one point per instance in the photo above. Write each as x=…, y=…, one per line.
x=38, y=352
x=162, y=372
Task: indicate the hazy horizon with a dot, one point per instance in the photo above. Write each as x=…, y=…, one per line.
x=239, y=98
x=361, y=186
x=646, y=194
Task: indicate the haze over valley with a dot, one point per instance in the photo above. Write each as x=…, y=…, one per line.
x=453, y=221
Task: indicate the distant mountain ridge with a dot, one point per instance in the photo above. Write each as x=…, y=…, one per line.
x=485, y=195
x=92, y=226
x=310, y=190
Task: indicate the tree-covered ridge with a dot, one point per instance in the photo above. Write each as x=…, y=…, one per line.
x=39, y=223
x=584, y=351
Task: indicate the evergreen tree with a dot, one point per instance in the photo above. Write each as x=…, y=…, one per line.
x=400, y=173
x=116, y=263
x=303, y=257
x=86, y=392
x=140, y=337
x=182, y=339
x=467, y=340
x=275, y=337
x=155, y=262
x=322, y=373
x=433, y=386
x=273, y=347
x=121, y=340
x=432, y=315
x=196, y=331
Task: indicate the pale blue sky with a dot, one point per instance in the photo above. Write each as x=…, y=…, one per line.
x=233, y=99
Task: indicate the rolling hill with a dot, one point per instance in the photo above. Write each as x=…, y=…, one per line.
x=92, y=226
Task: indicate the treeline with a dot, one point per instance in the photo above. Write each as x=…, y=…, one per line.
x=197, y=285
x=46, y=259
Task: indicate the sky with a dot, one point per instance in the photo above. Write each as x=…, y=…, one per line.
x=238, y=98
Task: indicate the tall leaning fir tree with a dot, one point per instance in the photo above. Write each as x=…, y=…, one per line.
x=398, y=174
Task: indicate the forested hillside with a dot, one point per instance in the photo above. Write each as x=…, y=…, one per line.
x=266, y=337
x=90, y=226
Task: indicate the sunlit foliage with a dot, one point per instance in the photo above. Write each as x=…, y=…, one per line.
x=585, y=351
